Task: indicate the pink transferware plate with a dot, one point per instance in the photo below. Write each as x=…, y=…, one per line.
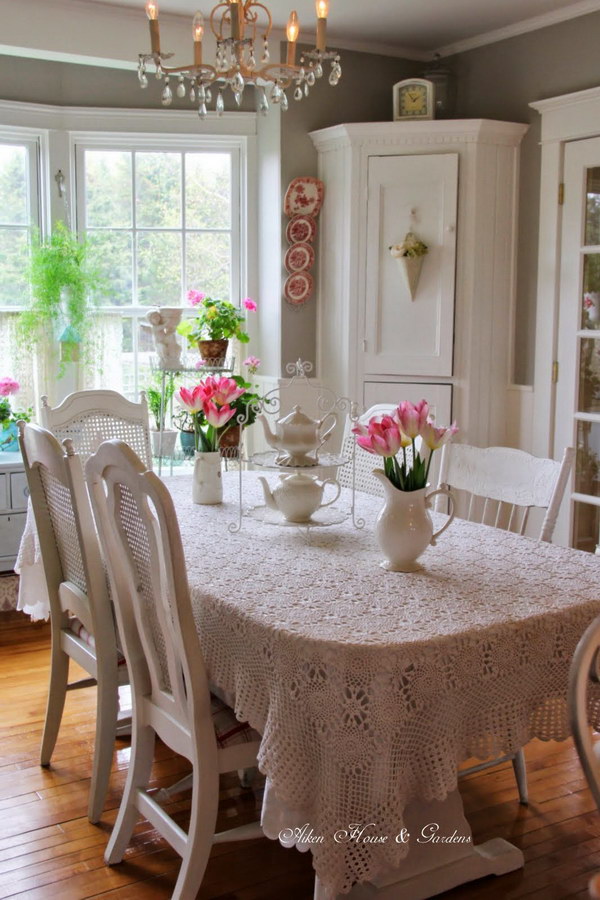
x=299, y=257
x=304, y=195
x=298, y=287
x=301, y=229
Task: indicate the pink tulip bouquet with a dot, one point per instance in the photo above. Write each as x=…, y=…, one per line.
x=387, y=435
x=211, y=405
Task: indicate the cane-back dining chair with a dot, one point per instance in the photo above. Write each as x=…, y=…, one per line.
x=90, y=417
x=365, y=462
x=81, y=615
x=171, y=697
x=500, y=486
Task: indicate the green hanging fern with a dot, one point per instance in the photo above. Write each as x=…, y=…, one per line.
x=60, y=267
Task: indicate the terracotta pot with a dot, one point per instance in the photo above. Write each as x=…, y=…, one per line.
x=214, y=352
x=229, y=442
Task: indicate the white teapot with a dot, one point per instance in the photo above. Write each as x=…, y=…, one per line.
x=297, y=496
x=297, y=437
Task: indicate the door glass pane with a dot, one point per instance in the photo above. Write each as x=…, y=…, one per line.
x=587, y=477
x=590, y=309
x=589, y=376
x=586, y=531
x=592, y=212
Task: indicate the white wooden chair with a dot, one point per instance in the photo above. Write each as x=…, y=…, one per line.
x=81, y=614
x=90, y=417
x=171, y=698
x=501, y=486
x=365, y=462
x=585, y=667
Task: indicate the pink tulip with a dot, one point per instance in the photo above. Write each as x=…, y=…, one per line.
x=217, y=416
x=380, y=437
x=434, y=437
x=8, y=386
x=193, y=399
x=412, y=417
x=250, y=305
x=222, y=390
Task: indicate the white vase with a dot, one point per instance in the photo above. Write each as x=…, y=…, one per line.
x=404, y=528
x=166, y=446
x=207, y=486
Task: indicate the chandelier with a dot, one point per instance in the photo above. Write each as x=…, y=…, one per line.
x=242, y=32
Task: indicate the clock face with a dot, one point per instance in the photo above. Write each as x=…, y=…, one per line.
x=413, y=100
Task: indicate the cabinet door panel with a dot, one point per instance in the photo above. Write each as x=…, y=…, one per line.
x=411, y=193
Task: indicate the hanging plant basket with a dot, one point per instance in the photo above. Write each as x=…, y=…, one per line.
x=410, y=255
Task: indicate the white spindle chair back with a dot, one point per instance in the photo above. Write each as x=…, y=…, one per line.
x=88, y=418
x=77, y=586
x=501, y=485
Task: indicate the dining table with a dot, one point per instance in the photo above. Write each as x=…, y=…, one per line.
x=370, y=687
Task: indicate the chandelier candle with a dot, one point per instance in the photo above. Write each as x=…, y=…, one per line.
x=239, y=27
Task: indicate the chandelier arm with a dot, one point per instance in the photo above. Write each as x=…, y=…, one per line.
x=252, y=17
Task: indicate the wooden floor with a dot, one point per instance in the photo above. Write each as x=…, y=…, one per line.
x=48, y=849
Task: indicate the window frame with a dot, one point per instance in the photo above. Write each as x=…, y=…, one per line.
x=233, y=144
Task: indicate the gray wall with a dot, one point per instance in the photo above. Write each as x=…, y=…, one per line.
x=364, y=94
x=498, y=82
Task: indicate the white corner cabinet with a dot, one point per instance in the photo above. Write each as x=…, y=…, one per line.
x=454, y=184
x=13, y=505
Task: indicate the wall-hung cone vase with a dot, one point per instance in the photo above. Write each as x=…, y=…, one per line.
x=411, y=268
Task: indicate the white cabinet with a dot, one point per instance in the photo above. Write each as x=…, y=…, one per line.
x=454, y=184
x=13, y=505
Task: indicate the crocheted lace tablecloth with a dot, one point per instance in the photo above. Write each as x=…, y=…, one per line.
x=368, y=686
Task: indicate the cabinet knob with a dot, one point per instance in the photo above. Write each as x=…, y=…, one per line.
x=450, y=228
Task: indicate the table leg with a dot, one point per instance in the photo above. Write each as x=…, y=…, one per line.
x=434, y=865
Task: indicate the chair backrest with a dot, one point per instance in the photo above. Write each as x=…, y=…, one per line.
x=364, y=462
x=502, y=484
x=68, y=541
x=90, y=417
x=140, y=537
x=585, y=666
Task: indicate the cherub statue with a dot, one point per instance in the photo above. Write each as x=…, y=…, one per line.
x=164, y=321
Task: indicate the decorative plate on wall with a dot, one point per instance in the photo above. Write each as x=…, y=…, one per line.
x=301, y=229
x=299, y=257
x=298, y=287
x=304, y=195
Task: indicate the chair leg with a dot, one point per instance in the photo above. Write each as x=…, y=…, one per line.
x=107, y=708
x=140, y=767
x=521, y=776
x=59, y=676
x=203, y=820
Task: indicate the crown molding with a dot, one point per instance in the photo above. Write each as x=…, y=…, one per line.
x=554, y=17
x=172, y=122
x=442, y=131
x=568, y=117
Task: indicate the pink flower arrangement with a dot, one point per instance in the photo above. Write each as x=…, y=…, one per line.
x=8, y=386
x=210, y=406
x=387, y=435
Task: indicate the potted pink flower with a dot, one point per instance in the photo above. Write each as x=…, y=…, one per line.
x=404, y=527
x=8, y=417
x=216, y=322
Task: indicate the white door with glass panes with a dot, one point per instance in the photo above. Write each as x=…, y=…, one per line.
x=577, y=410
